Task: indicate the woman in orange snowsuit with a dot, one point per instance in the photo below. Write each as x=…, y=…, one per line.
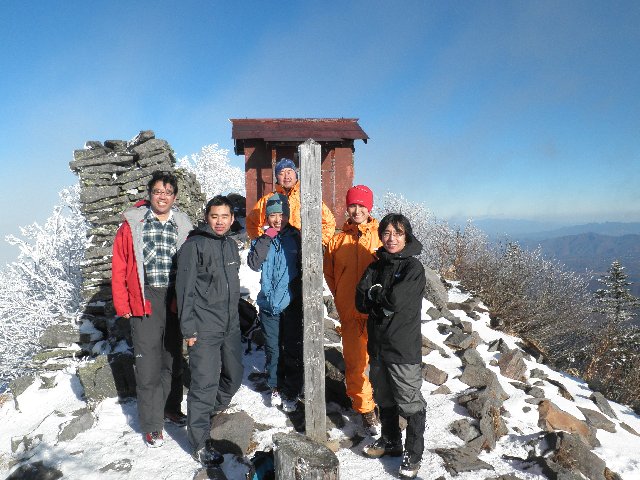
x=347, y=256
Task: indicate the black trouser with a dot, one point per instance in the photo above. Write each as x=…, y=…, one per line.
x=215, y=361
x=157, y=346
x=396, y=390
x=290, y=361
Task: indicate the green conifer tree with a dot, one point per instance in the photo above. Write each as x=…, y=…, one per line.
x=615, y=301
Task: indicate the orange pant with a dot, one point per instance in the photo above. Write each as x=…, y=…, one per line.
x=356, y=359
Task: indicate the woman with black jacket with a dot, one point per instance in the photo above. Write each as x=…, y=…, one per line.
x=391, y=292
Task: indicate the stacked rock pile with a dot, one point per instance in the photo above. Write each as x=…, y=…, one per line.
x=113, y=176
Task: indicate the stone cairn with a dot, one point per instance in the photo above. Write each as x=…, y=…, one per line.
x=113, y=176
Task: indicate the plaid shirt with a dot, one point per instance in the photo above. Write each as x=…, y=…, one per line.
x=160, y=247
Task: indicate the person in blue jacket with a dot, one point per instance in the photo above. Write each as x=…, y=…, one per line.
x=277, y=254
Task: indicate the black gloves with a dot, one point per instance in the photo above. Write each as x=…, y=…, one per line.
x=375, y=293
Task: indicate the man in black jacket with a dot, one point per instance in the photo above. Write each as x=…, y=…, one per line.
x=391, y=292
x=208, y=291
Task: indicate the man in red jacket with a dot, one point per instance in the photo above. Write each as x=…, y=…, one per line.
x=143, y=273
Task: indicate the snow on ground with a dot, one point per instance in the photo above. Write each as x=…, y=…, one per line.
x=115, y=440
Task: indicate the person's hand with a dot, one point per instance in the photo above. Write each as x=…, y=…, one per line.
x=191, y=341
x=271, y=232
x=127, y=315
x=375, y=292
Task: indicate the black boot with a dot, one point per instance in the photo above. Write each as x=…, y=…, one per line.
x=390, y=441
x=414, y=445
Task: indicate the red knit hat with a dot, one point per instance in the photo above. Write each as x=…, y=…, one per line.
x=360, y=194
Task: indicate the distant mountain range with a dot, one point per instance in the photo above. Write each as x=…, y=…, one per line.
x=531, y=229
x=586, y=247
x=591, y=247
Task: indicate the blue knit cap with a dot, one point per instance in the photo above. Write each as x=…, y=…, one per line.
x=285, y=163
x=278, y=203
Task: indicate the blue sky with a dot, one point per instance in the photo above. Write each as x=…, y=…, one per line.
x=506, y=109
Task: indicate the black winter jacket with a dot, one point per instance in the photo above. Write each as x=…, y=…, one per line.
x=207, y=284
x=394, y=335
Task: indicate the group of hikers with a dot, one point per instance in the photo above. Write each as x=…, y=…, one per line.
x=174, y=282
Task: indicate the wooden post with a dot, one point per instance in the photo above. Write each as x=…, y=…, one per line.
x=311, y=219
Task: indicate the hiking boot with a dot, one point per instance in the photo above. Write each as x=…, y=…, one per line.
x=371, y=423
x=178, y=418
x=289, y=405
x=409, y=466
x=153, y=439
x=276, y=400
x=382, y=447
x=208, y=456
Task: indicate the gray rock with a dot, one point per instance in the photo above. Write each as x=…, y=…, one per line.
x=598, y=420
x=498, y=345
x=558, y=472
x=59, y=335
x=98, y=193
x=335, y=389
x=35, y=471
x=492, y=427
x=441, y=390
x=143, y=136
x=536, y=392
x=464, y=429
x=20, y=384
x=232, y=432
x=25, y=442
x=123, y=465
x=47, y=382
x=478, y=376
x=470, y=356
x=463, y=459
x=81, y=423
x=159, y=161
x=462, y=341
x=332, y=311
x=97, y=380
x=562, y=390
x=602, y=404
x=434, y=313
x=537, y=373
x=446, y=313
x=573, y=454
x=434, y=375
x=454, y=306
x=507, y=476
x=512, y=365
x=520, y=386
x=435, y=291
x=107, y=168
x=116, y=145
x=150, y=148
x=330, y=333
x=629, y=429
x=479, y=402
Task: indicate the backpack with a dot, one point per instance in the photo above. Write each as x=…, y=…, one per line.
x=249, y=324
x=262, y=466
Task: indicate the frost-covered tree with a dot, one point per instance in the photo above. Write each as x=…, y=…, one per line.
x=43, y=283
x=422, y=222
x=535, y=297
x=212, y=169
x=615, y=300
x=614, y=345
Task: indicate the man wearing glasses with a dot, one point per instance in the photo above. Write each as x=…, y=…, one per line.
x=143, y=273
